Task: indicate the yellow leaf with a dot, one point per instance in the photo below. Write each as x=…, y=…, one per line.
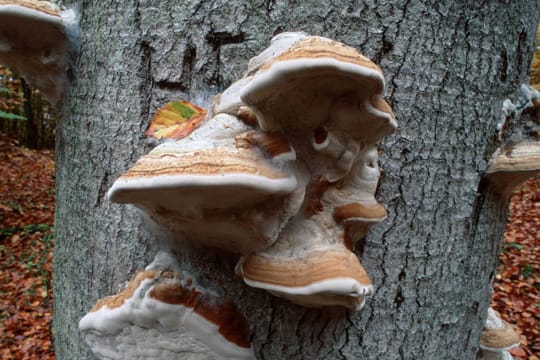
x=175, y=120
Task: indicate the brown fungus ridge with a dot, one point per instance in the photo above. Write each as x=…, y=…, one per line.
x=247, y=115
x=523, y=156
x=294, y=272
x=41, y=6
x=115, y=301
x=314, y=193
x=222, y=312
x=314, y=47
x=499, y=338
x=272, y=143
x=513, y=164
x=359, y=211
x=204, y=162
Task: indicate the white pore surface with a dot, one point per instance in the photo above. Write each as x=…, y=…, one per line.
x=321, y=293
x=259, y=184
x=267, y=82
x=144, y=328
x=393, y=123
x=341, y=286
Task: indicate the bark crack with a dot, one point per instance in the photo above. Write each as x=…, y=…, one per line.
x=146, y=84
x=218, y=39
x=400, y=24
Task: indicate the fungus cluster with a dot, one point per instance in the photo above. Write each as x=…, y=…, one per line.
x=165, y=314
x=283, y=171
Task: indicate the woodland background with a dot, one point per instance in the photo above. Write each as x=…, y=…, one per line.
x=27, y=204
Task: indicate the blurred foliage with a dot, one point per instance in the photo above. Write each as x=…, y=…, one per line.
x=19, y=102
x=11, y=95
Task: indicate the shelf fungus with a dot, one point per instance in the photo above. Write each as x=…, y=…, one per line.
x=513, y=164
x=328, y=98
x=283, y=170
x=36, y=38
x=212, y=188
x=497, y=338
x=165, y=314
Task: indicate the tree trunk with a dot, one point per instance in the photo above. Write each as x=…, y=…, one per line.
x=448, y=65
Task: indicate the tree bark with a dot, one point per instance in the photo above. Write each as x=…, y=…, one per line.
x=449, y=66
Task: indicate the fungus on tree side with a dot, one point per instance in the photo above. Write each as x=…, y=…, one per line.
x=36, y=40
x=210, y=189
x=318, y=81
x=497, y=338
x=319, y=277
x=165, y=314
x=511, y=165
x=327, y=98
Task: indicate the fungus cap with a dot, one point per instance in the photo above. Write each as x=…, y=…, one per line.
x=207, y=169
x=358, y=212
x=498, y=335
x=310, y=81
x=169, y=313
x=511, y=165
x=209, y=188
x=35, y=40
x=320, y=278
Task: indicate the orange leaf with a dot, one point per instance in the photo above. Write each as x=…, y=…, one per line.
x=517, y=352
x=175, y=120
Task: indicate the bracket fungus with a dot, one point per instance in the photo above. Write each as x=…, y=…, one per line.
x=36, y=38
x=497, y=338
x=165, y=314
x=511, y=165
x=210, y=188
x=328, y=97
x=283, y=170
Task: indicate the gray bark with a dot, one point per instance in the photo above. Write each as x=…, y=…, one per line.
x=449, y=65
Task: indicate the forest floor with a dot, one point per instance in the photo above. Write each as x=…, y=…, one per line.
x=26, y=252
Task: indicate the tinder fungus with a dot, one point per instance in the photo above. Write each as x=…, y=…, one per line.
x=165, y=314
x=283, y=170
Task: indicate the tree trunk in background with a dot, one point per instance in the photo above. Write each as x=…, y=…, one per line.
x=448, y=65
x=31, y=124
x=38, y=130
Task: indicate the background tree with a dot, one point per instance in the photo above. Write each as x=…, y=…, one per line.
x=449, y=66
x=25, y=115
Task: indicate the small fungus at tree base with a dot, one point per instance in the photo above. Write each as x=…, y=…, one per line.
x=497, y=338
